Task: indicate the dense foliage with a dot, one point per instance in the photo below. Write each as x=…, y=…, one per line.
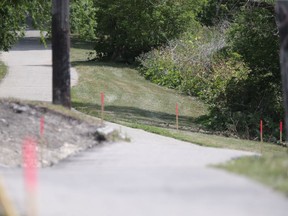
x=13, y=15
x=127, y=28
x=83, y=19
x=233, y=65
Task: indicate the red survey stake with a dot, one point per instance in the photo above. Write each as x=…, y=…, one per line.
x=177, y=114
x=102, y=107
x=29, y=155
x=281, y=131
x=261, y=130
x=42, y=122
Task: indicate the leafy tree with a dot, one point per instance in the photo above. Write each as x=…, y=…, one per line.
x=127, y=28
x=83, y=19
x=13, y=15
x=216, y=11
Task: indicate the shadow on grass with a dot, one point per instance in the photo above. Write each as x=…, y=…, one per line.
x=137, y=115
x=104, y=64
x=80, y=44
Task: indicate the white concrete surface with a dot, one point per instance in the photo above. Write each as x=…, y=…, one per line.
x=30, y=72
x=150, y=176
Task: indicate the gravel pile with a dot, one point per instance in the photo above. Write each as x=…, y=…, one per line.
x=63, y=135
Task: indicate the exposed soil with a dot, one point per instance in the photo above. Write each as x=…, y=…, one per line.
x=63, y=135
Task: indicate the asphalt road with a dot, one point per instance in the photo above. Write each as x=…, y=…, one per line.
x=149, y=176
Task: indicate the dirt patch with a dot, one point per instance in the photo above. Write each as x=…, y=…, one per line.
x=63, y=135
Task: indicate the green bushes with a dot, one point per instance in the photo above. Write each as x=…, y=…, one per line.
x=83, y=19
x=234, y=67
x=128, y=28
x=184, y=62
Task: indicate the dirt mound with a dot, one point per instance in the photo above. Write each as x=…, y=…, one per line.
x=63, y=135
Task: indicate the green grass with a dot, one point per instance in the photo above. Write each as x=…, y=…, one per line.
x=270, y=169
x=128, y=96
x=133, y=101
x=3, y=70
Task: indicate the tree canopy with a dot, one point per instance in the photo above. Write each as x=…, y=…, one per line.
x=127, y=28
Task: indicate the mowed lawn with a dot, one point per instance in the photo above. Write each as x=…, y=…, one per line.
x=128, y=96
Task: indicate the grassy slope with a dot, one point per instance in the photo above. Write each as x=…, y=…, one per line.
x=129, y=97
x=135, y=102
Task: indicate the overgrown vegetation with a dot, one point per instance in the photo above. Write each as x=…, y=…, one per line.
x=231, y=62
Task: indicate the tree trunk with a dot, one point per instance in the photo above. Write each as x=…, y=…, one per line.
x=282, y=22
x=61, y=53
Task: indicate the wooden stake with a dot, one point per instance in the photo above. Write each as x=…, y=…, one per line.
x=177, y=113
x=261, y=130
x=41, y=141
x=102, y=107
x=29, y=155
x=281, y=132
x=261, y=136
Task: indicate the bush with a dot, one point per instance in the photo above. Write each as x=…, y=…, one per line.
x=83, y=19
x=184, y=63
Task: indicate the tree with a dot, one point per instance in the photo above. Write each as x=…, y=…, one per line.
x=127, y=28
x=61, y=53
x=13, y=15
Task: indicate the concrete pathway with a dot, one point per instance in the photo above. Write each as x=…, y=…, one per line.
x=149, y=176
x=30, y=71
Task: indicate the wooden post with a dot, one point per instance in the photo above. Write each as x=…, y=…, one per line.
x=281, y=132
x=61, y=53
x=102, y=108
x=261, y=136
x=282, y=22
x=177, y=114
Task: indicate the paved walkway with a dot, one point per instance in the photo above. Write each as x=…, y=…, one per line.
x=150, y=176
x=30, y=72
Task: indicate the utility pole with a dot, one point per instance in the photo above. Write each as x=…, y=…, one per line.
x=61, y=53
x=282, y=22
